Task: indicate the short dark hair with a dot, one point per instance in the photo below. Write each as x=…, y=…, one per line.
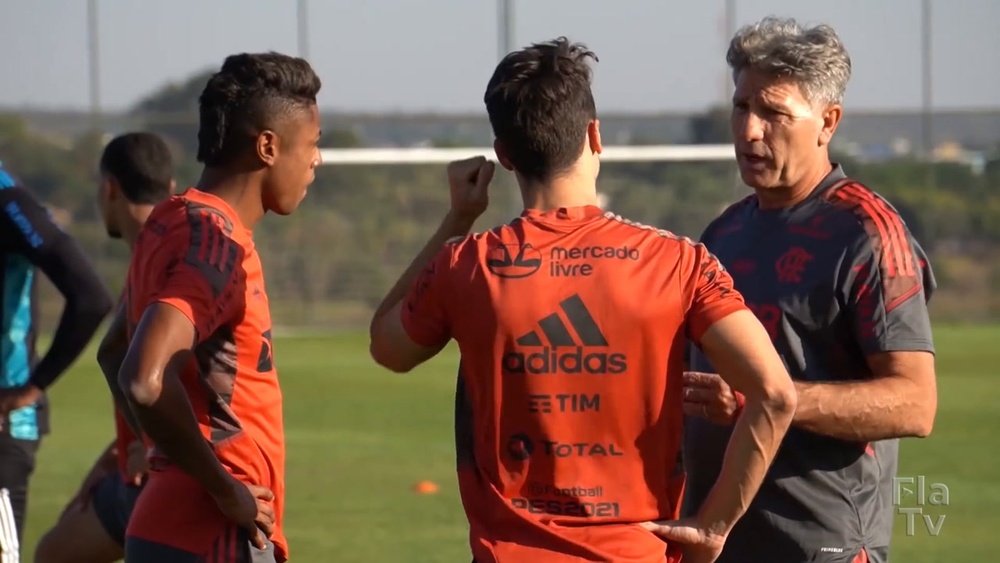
x=248, y=95
x=142, y=164
x=539, y=102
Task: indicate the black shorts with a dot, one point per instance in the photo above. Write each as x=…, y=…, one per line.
x=236, y=549
x=113, y=501
x=17, y=463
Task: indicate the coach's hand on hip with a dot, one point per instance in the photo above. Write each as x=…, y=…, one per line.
x=706, y=395
x=469, y=181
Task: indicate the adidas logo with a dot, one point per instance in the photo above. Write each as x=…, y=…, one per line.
x=564, y=354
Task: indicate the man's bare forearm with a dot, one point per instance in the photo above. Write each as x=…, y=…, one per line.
x=863, y=411
x=110, y=356
x=752, y=447
x=169, y=421
x=740, y=348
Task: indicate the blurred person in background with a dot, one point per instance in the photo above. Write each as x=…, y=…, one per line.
x=837, y=279
x=572, y=325
x=30, y=241
x=136, y=173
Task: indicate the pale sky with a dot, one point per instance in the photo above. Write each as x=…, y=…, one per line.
x=436, y=55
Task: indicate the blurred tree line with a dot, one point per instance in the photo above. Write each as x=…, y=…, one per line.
x=329, y=263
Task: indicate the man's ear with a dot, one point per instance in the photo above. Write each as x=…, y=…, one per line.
x=110, y=187
x=502, y=157
x=594, y=136
x=831, y=119
x=268, y=147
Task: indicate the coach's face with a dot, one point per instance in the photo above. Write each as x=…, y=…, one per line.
x=779, y=136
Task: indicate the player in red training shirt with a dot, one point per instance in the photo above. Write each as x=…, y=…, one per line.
x=572, y=324
x=199, y=373
x=136, y=172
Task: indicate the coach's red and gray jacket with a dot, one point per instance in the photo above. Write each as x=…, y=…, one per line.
x=833, y=279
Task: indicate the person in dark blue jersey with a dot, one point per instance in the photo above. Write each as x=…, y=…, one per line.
x=31, y=242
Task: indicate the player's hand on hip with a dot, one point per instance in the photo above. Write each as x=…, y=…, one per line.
x=136, y=463
x=707, y=396
x=18, y=397
x=250, y=507
x=469, y=180
x=698, y=544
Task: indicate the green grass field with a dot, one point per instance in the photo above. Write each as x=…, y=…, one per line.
x=360, y=437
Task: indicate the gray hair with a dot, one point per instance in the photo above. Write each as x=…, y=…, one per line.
x=814, y=58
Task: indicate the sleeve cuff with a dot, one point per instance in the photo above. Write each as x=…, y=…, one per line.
x=903, y=345
x=417, y=331
x=185, y=309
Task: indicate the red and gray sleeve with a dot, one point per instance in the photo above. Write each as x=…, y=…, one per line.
x=202, y=273
x=886, y=282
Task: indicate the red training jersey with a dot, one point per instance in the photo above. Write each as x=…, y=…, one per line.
x=195, y=255
x=572, y=326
